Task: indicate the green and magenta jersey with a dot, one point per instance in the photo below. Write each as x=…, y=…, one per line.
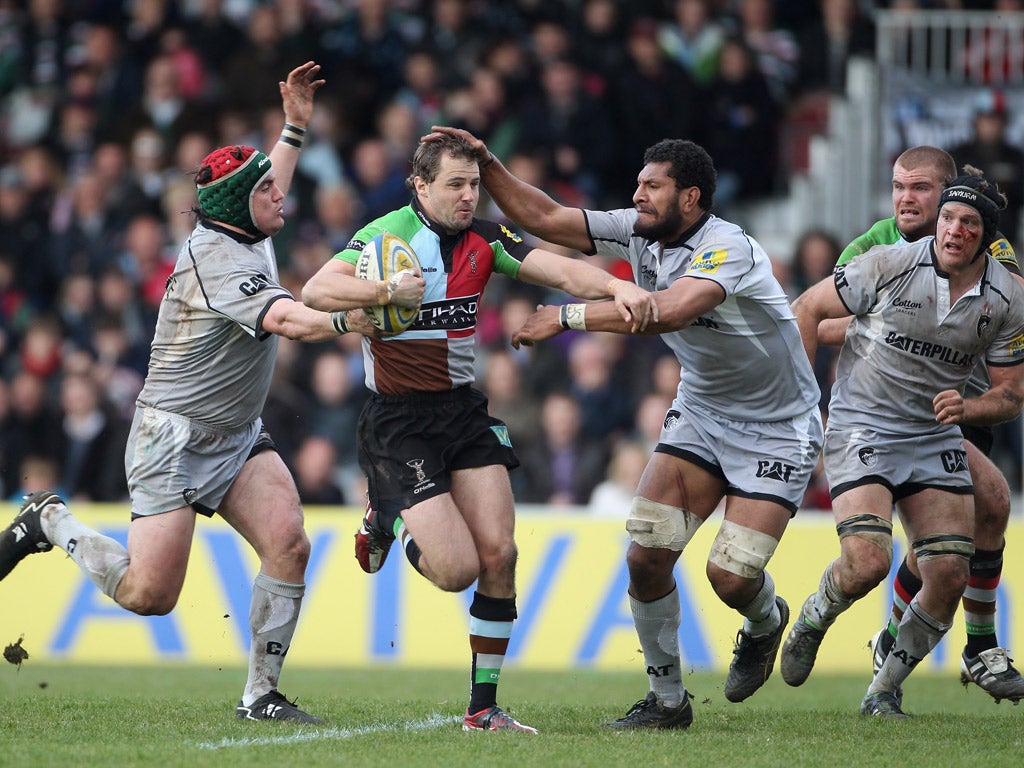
x=437, y=352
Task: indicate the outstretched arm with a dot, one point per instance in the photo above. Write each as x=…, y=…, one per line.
x=634, y=305
x=297, y=99
x=678, y=306
x=530, y=208
x=294, y=320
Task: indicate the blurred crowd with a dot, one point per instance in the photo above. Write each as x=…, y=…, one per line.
x=107, y=108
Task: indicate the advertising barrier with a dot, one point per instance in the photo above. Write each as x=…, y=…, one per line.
x=573, y=609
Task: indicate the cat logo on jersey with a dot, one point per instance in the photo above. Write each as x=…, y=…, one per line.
x=1017, y=346
x=511, y=235
x=708, y=262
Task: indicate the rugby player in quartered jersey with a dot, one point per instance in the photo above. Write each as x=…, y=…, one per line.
x=436, y=462
x=437, y=352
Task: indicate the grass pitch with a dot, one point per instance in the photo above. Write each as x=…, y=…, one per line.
x=184, y=716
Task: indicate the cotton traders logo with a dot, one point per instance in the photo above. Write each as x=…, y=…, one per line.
x=648, y=274
x=708, y=262
x=906, y=306
x=867, y=457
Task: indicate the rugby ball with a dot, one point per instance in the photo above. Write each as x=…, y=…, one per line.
x=383, y=257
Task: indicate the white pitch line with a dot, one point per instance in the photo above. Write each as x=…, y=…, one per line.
x=433, y=721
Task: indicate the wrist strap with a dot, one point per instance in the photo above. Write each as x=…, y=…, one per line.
x=340, y=322
x=481, y=164
x=382, y=293
x=293, y=136
x=573, y=317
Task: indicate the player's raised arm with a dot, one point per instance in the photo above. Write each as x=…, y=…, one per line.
x=530, y=208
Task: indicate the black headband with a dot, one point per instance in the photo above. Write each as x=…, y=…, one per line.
x=965, y=190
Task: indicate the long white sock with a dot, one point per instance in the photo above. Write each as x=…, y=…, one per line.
x=100, y=557
x=918, y=634
x=657, y=626
x=761, y=615
x=273, y=614
x=823, y=607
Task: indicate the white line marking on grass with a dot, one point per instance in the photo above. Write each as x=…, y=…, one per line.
x=433, y=721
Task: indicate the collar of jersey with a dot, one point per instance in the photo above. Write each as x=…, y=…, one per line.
x=241, y=237
x=680, y=241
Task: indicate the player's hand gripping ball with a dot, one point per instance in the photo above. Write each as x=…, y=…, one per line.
x=387, y=257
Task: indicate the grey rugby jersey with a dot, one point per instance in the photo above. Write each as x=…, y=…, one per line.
x=209, y=359
x=743, y=360
x=906, y=343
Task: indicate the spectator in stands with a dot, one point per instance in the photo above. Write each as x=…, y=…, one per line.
x=364, y=56
x=615, y=493
x=421, y=88
x=314, y=472
x=563, y=465
x=643, y=112
x=827, y=42
x=80, y=241
x=508, y=400
x=32, y=426
x=1002, y=162
x=692, y=39
x=379, y=179
x=600, y=43
x=482, y=107
x=776, y=52
x=572, y=128
x=91, y=444
x=650, y=415
x=163, y=107
x=744, y=127
x=334, y=404
x=255, y=67
x=606, y=409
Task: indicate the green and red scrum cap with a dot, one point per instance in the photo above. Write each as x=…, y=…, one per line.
x=226, y=181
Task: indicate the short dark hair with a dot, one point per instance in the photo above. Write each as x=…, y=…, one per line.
x=426, y=162
x=690, y=166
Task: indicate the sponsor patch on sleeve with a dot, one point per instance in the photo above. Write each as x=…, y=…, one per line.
x=708, y=262
x=1017, y=346
x=510, y=234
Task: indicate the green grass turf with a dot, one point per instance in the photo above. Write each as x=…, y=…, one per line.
x=183, y=716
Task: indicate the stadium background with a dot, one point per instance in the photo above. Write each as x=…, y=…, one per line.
x=573, y=611
x=105, y=108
